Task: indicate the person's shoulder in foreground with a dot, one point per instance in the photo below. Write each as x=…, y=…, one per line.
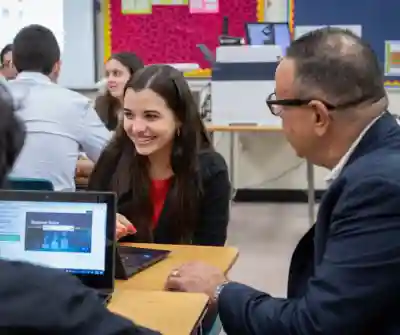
x=376, y=158
x=46, y=301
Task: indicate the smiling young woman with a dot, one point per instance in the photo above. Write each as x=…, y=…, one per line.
x=170, y=182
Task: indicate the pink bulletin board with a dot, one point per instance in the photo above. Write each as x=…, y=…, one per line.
x=170, y=33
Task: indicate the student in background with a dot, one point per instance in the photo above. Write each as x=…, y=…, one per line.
x=170, y=182
x=59, y=121
x=119, y=69
x=38, y=300
x=8, y=70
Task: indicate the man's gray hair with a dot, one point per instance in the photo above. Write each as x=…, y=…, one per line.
x=336, y=65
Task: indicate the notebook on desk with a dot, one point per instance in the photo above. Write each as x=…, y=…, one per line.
x=69, y=231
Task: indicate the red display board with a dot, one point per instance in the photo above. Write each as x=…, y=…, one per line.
x=170, y=33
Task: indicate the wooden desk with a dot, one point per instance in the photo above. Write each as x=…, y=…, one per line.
x=234, y=129
x=154, y=278
x=171, y=313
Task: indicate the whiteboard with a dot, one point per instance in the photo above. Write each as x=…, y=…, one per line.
x=72, y=22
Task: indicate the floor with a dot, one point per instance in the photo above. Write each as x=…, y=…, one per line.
x=266, y=235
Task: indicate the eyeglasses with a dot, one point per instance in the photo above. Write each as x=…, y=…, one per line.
x=275, y=106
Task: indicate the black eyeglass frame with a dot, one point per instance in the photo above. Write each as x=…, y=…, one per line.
x=304, y=102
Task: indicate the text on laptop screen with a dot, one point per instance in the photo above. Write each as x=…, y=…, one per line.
x=64, y=235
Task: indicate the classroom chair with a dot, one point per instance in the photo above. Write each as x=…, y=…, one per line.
x=216, y=328
x=29, y=184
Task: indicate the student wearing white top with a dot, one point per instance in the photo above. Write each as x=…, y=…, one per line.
x=59, y=121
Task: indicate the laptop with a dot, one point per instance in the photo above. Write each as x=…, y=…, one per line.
x=72, y=231
x=131, y=260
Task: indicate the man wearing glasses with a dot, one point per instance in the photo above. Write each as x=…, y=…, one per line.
x=344, y=275
x=8, y=70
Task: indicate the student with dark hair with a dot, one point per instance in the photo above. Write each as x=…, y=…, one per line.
x=59, y=121
x=119, y=69
x=37, y=300
x=8, y=70
x=170, y=182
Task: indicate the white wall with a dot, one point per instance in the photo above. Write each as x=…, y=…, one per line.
x=264, y=160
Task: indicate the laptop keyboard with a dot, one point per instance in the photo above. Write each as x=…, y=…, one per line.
x=135, y=261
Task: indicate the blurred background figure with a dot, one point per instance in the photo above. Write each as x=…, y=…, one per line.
x=118, y=70
x=8, y=71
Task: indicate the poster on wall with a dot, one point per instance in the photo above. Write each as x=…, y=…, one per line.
x=392, y=58
x=175, y=30
x=136, y=6
x=203, y=6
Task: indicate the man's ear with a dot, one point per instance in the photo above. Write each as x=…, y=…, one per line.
x=55, y=73
x=322, y=117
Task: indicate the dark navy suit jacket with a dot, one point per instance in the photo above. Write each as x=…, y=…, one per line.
x=35, y=300
x=345, y=272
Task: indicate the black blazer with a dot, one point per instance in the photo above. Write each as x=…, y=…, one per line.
x=213, y=210
x=38, y=300
x=345, y=273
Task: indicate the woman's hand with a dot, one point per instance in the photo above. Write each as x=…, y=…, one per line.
x=84, y=168
x=124, y=227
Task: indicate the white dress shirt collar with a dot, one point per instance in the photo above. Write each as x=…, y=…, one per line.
x=335, y=172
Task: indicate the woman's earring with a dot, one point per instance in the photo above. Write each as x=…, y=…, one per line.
x=178, y=132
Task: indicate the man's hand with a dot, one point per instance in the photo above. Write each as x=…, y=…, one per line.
x=196, y=277
x=124, y=227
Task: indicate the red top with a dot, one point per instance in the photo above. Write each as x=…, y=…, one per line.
x=158, y=193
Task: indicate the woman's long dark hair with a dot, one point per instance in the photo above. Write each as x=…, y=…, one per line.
x=12, y=133
x=132, y=169
x=108, y=106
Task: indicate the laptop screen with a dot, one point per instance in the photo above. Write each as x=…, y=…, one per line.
x=64, y=235
x=282, y=36
x=260, y=33
x=269, y=33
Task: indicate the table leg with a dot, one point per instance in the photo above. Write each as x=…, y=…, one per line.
x=311, y=192
x=232, y=149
